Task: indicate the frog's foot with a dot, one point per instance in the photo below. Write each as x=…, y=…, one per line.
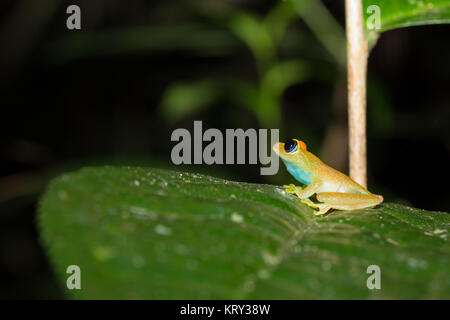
x=323, y=208
x=290, y=188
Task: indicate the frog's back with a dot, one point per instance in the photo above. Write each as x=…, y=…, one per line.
x=336, y=181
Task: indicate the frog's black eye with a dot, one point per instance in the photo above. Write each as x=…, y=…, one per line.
x=290, y=146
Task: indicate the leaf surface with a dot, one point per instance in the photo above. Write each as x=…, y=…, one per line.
x=140, y=233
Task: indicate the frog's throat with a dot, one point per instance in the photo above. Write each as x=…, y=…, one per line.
x=298, y=173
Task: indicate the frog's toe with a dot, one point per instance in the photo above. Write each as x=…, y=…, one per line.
x=290, y=188
x=310, y=203
x=322, y=210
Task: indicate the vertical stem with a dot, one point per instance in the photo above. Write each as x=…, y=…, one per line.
x=357, y=54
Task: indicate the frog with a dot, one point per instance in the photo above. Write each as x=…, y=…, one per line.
x=331, y=188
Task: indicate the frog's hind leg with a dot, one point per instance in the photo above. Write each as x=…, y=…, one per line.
x=348, y=201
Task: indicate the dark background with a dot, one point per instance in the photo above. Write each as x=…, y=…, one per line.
x=113, y=92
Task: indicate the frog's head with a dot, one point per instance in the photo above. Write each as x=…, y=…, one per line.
x=291, y=150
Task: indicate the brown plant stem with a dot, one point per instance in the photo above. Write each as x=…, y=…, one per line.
x=357, y=54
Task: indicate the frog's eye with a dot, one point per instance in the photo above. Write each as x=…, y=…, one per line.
x=290, y=146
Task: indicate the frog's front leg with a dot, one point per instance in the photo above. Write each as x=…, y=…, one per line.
x=311, y=189
x=307, y=192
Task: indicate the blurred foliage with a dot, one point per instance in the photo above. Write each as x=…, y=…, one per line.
x=263, y=36
x=182, y=99
x=195, y=38
x=157, y=234
x=324, y=26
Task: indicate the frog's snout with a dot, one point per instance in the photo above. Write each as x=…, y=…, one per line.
x=277, y=147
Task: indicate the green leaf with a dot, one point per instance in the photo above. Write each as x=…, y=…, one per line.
x=278, y=20
x=181, y=99
x=404, y=13
x=324, y=26
x=284, y=74
x=256, y=35
x=197, y=39
x=157, y=234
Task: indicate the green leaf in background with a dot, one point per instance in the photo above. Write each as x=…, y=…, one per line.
x=324, y=26
x=181, y=99
x=255, y=34
x=197, y=39
x=284, y=74
x=157, y=234
x=404, y=13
